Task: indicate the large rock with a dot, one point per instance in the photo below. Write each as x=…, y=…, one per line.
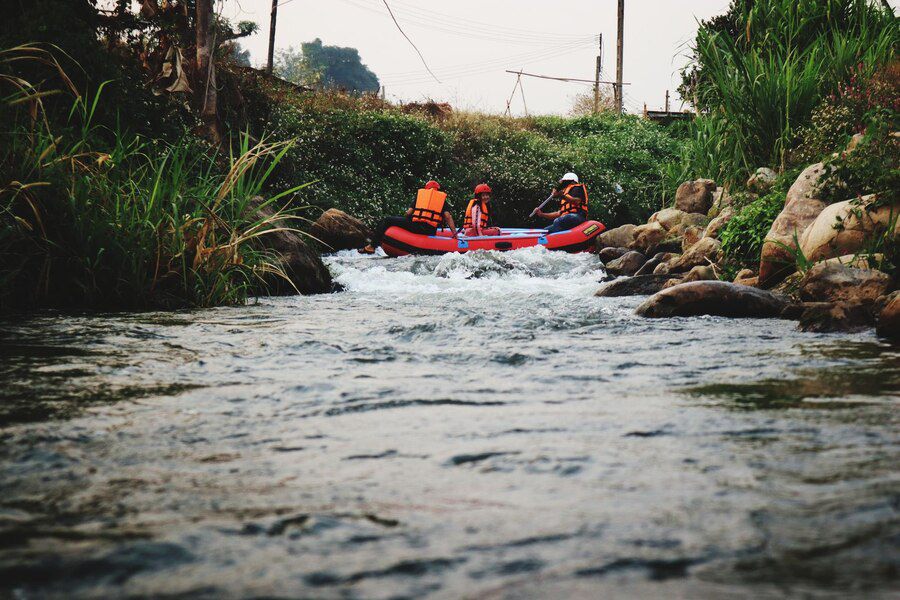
x=611, y=254
x=627, y=264
x=690, y=220
x=650, y=265
x=848, y=227
x=648, y=237
x=716, y=226
x=888, y=324
x=301, y=264
x=669, y=218
x=618, y=237
x=825, y=317
x=746, y=277
x=762, y=180
x=807, y=185
x=639, y=285
x=801, y=208
x=712, y=298
x=689, y=237
x=721, y=200
x=830, y=282
x=340, y=231
x=704, y=252
x=701, y=273
x=695, y=196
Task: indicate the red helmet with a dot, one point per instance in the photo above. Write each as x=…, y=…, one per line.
x=432, y=185
x=482, y=188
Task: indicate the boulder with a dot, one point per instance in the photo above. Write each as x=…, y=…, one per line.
x=618, y=237
x=721, y=200
x=648, y=237
x=301, y=264
x=695, y=196
x=762, y=180
x=776, y=261
x=663, y=268
x=690, y=220
x=704, y=252
x=855, y=141
x=669, y=218
x=806, y=186
x=888, y=323
x=650, y=265
x=847, y=227
x=824, y=317
x=639, y=285
x=340, y=231
x=858, y=261
x=689, y=237
x=712, y=298
x=843, y=285
x=627, y=264
x=746, y=277
x=611, y=254
x=716, y=226
x=701, y=273
x=801, y=208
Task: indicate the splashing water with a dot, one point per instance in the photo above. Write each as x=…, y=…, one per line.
x=475, y=425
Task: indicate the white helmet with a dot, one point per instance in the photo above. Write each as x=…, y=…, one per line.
x=570, y=177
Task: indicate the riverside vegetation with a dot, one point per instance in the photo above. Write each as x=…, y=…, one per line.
x=118, y=203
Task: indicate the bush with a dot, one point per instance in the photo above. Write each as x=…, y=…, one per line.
x=873, y=167
x=758, y=74
x=743, y=236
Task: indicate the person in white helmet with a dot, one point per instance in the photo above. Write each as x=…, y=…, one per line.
x=573, y=204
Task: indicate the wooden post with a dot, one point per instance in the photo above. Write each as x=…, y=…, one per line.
x=271, y=61
x=619, y=47
x=597, y=70
x=207, y=98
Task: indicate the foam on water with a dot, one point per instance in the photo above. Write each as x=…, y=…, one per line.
x=526, y=272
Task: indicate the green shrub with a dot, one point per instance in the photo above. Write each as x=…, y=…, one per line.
x=743, y=236
x=873, y=167
x=758, y=75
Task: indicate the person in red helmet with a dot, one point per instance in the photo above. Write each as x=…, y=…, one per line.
x=478, y=213
x=427, y=213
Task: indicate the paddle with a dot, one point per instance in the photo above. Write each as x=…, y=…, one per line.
x=543, y=204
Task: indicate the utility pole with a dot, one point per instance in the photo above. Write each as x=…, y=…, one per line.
x=621, y=19
x=597, y=77
x=667, y=100
x=269, y=64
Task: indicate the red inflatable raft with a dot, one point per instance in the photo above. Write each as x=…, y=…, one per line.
x=400, y=242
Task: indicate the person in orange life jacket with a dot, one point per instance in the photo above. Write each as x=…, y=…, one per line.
x=573, y=204
x=428, y=211
x=478, y=213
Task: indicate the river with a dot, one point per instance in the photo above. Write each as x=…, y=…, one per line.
x=473, y=426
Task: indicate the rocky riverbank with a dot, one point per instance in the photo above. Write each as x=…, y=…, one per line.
x=821, y=264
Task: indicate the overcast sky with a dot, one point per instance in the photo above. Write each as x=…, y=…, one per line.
x=469, y=44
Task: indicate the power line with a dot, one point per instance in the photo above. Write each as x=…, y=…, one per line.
x=409, y=40
x=567, y=79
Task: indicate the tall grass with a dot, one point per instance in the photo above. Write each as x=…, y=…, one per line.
x=760, y=87
x=100, y=218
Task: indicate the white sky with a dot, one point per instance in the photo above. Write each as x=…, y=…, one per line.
x=469, y=44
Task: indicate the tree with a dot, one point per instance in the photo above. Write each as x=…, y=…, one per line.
x=583, y=103
x=206, y=93
x=293, y=66
x=339, y=67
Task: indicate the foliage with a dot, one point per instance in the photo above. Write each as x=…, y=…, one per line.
x=743, y=236
x=873, y=167
x=339, y=67
x=369, y=157
x=291, y=65
x=111, y=219
x=583, y=103
x=759, y=73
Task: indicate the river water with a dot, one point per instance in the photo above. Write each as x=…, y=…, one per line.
x=473, y=426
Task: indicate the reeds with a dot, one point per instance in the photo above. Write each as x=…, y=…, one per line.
x=100, y=218
x=760, y=87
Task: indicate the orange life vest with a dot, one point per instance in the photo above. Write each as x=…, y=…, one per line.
x=485, y=214
x=429, y=207
x=569, y=205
